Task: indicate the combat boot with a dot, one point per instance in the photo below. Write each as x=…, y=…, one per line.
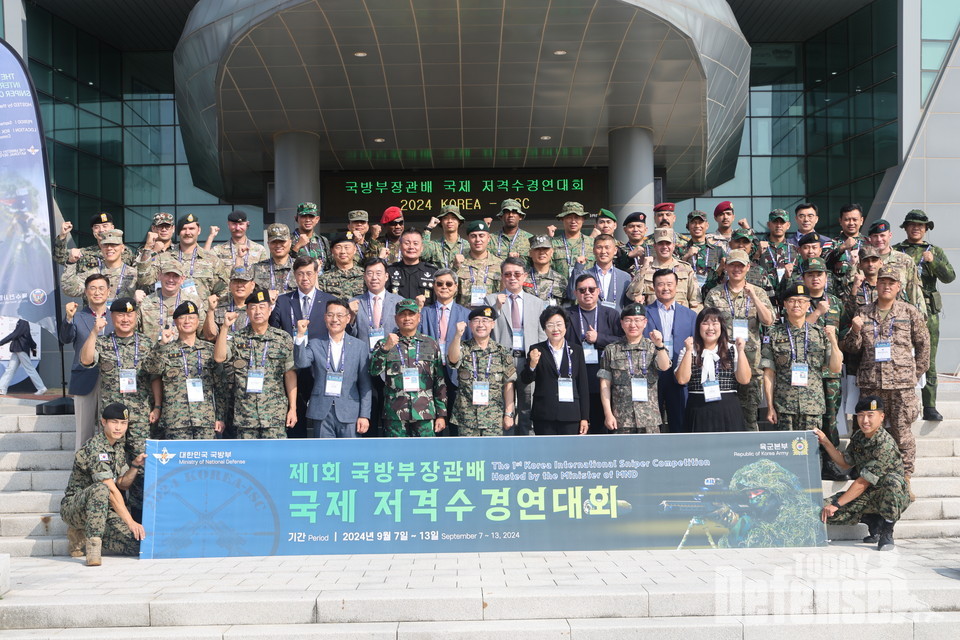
x=874, y=523
x=913, y=497
x=76, y=540
x=886, y=537
x=94, y=546
x=931, y=413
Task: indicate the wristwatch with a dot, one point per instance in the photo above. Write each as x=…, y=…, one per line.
x=510, y=414
x=656, y=348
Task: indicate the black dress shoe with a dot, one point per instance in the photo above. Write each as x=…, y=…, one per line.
x=931, y=413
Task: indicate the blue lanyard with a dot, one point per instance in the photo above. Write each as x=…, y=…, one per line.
x=510, y=246
x=404, y=349
x=136, y=350
x=186, y=369
x=806, y=341
x=233, y=258
x=566, y=248
x=192, y=260
x=339, y=368
x=473, y=279
x=583, y=322
x=273, y=278
x=643, y=360
x=613, y=284
x=733, y=314
x=263, y=358
x=163, y=308
x=369, y=310
x=476, y=370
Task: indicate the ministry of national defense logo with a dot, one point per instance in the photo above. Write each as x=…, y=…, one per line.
x=164, y=456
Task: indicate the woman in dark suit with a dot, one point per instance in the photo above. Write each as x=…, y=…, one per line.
x=561, y=394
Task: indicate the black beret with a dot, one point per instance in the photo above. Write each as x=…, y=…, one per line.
x=869, y=403
x=810, y=238
x=100, y=218
x=186, y=308
x=115, y=411
x=124, y=305
x=636, y=216
x=485, y=311
x=237, y=216
x=259, y=295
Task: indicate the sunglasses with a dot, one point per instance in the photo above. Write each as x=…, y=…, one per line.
x=586, y=289
x=395, y=223
x=443, y=283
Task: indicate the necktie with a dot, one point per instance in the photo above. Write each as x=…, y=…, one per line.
x=305, y=307
x=515, y=312
x=376, y=311
x=443, y=325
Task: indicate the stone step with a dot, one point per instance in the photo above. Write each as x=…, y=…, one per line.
x=37, y=461
x=945, y=429
x=932, y=466
x=923, y=487
x=22, y=525
x=905, y=529
x=933, y=509
x=33, y=480
x=39, y=441
x=35, y=423
x=30, y=501
x=937, y=447
x=37, y=546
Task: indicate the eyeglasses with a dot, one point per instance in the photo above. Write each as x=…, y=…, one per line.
x=513, y=274
x=443, y=283
x=555, y=325
x=586, y=289
x=797, y=302
x=395, y=223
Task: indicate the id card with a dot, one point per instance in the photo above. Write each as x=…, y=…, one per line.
x=565, y=389
x=411, y=379
x=194, y=390
x=740, y=329
x=334, y=385
x=255, y=380
x=189, y=287
x=478, y=295
x=590, y=354
x=517, y=340
x=608, y=304
x=798, y=374
x=128, y=380
x=376, y=335
x=711, y=391
x=881, y=352
x=638, y=389
x=481, y=393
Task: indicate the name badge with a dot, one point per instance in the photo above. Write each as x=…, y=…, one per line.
x=376, y=335
x=478, y=295
x=189, y=287
x=334, y=384
x=194, y=390
x=565, y=389
x=128, y=380
x=740, y=329
x=798, y=374
x=518, y=339
x=780, y=272
x=608, y=304
x=551, y=302
x=881, y=352
x=255, y=380
x=590, y=354
x=711, y=391
x=411, y=379
x=638, y=389
x=481, y=393
x=701, y=279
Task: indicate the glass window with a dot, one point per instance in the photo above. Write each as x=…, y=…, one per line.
x=111, y=143
x=860, y=37
x=932, y=54
x=939, y=19
x=64, y=88
x=111, y=76
x=65, y=167
x=189, y=194
x=886, y=146
x=88, y=60
x=64, y=47
x=65, y=123
x=740, y=185
x=42, y=76
x=885, y=16
x=145, y=185
x=39, y=34
x=111, y=182
x=885, y=101
x=89, y=170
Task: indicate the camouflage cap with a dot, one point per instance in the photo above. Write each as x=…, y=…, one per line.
x=869, y=403
x=343, y=236
x=101, y=218
x=115, y=411
x=606, y=213
x=633, y=309
x=170, y=265
x=511, y=205
x=779, y=214
x=123, y=305
x=540, y=242
x=484, y=311
x=407, y=305
x=571, y=208
x=258, y=296
x=278, y=231
x=868, y=251
x=795, y=291
x=887, y=271
x=696, y=214
x=742, y=234
x=477, y=225
x=358, y=215
x=812, y=264
x=738, y=255
x=242, y=273
x=919, y=216
x=664, y=234
x=112, y=236
x=451, y=209
x=162, y=217
x=307, y=209
x=187, y=308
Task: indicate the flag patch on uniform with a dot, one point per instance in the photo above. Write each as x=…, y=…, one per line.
x=104, y=457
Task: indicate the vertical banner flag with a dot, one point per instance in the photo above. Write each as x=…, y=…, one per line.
x=27, y=278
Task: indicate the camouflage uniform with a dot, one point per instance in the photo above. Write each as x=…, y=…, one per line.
x=681, y=239
x=180, y=418
x=440, y=252
x=551, y=288
x=91, y=257
x=929, y=272
x=482, y=420
x=260, y=416
x=154, y=315
x=340, y=283
x=121, y=280
x=706, y=264
x=760, y=277
x=877, y=461
x=227, y=252
x=798, y=408
x=502, y=245
x=204, y=269
x=797, y=278
x=478, y=272
x=393, y=250
x=271, y=277
x=748, y=394
x=411, y=413
x=318, y=247
x=831, y=381
x=366, y=250
x=225, y=304
x=565, y=253
x=776, y=256
x=894, y=380
x=632, y=417
x=688, y=291
x=624, y=262
x=721, y=240
x=86, y=501
x=909, y=281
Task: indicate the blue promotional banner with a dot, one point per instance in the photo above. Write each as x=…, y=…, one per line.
x=214, y=498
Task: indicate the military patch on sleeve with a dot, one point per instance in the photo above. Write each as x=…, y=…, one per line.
x=104, y=457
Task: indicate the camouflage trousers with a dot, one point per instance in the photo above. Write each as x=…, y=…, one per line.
x=902, y=409
x=473, y=430
x=831, y=397
x=749, y=397
x=413, y=429
x=190, y=433
x=261, y=433
x=888, y=498
x=136, y=443
x=89, y=510
x=929, y=391
x=797, y=421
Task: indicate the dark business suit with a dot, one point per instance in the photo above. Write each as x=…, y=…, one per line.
x=673, y=396
x=549, y=415
x=430, y=326
x=355, y=395
x=607, y=323
x=360, y=329
x=286, y=312
x=616, y=291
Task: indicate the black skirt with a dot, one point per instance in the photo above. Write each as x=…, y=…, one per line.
x=723, y=415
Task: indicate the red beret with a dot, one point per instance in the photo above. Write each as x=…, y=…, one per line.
x=664, y=206
x=390, y=214
x=723, y=206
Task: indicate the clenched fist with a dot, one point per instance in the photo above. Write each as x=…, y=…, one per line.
x=302, y=326
x=71, y=309
x=65, y=229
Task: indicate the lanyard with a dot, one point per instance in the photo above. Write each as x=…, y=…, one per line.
x=192, y=260
x=473, y=279
x=733, y=313
x=233, y=257
x=613, y=284
x=186, y=369
x=123, y=270
x=163, y=307
x=643, y=361
x=322, y=256
x=476, y=370
x=273, y=278
x=806, y=341
x=566, y=248
x=583, y=322
x=500, y=240
x=446, y=253
x=263, y=358
x=416, y=358
x=136, y=350
x=330, y=367
x=369, y=310
x=876, y=331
